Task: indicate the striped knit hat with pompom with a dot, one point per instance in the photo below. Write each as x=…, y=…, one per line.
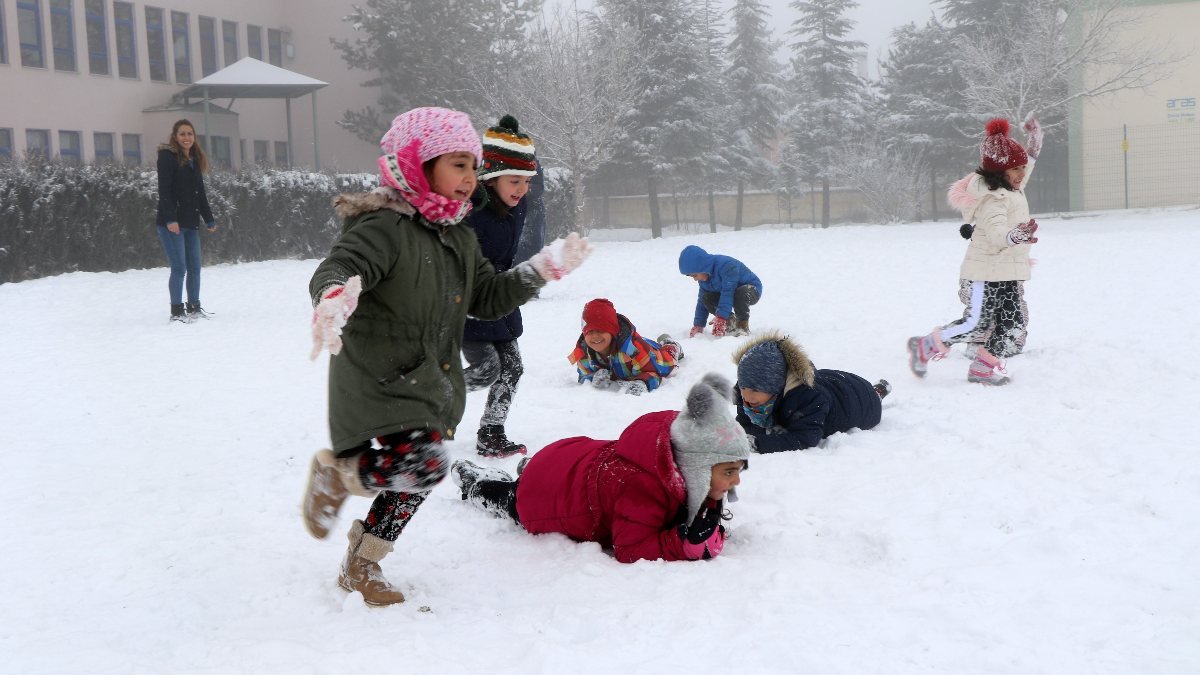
x=1000, y=152
x=507, y=151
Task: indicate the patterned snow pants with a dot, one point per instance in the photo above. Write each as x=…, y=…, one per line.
x=964, y=296
x=996, y=317
x=405, y=467
x=496, y=365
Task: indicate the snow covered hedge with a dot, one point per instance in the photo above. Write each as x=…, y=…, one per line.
x=57, y=217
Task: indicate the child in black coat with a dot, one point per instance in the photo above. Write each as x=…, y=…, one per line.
x=498, y=217
x=785, y=403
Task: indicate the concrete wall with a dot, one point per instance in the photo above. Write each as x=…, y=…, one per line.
x=758, y=208
x=48, y=98
x=1140, y=147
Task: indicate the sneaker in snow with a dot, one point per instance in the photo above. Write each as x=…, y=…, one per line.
x=883, y=388
x=671, y=346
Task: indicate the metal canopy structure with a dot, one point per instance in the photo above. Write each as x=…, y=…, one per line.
x=251, y=78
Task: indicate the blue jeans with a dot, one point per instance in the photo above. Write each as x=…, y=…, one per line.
x=183, y=254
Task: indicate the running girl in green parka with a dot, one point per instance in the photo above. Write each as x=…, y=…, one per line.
x=390, y=304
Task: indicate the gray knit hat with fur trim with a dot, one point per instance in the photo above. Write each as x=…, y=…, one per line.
x=704, y=434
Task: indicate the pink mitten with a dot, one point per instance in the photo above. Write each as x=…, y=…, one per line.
x=1023, y=233
x=1033, y=138
x=719, y=327
x=336, y=305
x=696, y=330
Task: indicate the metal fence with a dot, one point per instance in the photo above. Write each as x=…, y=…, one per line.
x=1140, y=166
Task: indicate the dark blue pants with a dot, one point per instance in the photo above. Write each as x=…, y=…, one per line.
x=183, y=255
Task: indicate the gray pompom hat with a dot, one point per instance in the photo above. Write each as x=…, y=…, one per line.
x=704, y=434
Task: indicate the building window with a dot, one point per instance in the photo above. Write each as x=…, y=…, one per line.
x=126, y=39
x=97, y=36
x=218, y=150
x=5, y=144
x=68, y=146
x=3, y=44
x=131, y=149
x=37, y=143
x=182, y=48
x=62, y=35
x=29, y=31
x=262, y=151
x=156, y=44
x=275, y=47
x=105, y=145
x=208, y=45
x=254, y=41
x=230, y=41
x=281, y=153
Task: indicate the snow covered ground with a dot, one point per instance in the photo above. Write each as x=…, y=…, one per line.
x=153, y=475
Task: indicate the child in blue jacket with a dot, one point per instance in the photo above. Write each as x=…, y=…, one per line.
x=727, y=289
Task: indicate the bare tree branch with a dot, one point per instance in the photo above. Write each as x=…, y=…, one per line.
x=1060, y=51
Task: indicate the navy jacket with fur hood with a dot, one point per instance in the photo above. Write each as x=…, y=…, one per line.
x=815, y=403
x=498, y=237
x=725, y=274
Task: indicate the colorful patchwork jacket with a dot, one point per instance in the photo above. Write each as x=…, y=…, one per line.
x=635, y=358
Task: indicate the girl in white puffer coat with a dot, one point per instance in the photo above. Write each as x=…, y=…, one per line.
x=996, y=261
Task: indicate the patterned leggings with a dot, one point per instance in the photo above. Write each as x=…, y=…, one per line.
x=995, y=317
x=964, y=296
x=497, y=365
x=405, y=467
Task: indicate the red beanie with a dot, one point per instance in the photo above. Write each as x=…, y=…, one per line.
x=1000, y=152
x=599, y=314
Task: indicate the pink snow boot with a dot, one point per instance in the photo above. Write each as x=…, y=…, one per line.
x=987, y=369
x=922, y=350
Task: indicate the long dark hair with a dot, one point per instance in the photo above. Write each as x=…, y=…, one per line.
x=994, y=179
x=197, y=152
x=493, y=200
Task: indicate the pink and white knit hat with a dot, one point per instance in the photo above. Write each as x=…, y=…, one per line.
x=417, y=136
x=440, y=131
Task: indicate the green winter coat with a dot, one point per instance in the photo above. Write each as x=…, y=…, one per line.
x=399, y=367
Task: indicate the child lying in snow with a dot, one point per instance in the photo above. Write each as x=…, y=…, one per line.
x=657, y=492
x=612, y=355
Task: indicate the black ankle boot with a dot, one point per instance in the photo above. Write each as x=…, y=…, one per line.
x=194, y=311
x=493, y=443
x=177, y=313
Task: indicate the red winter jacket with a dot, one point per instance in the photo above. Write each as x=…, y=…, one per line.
x=626, y=494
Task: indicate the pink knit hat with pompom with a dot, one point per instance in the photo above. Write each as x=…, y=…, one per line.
x=440, y=131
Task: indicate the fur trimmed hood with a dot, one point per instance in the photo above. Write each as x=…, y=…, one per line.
x=353, y=204
x=800, y=368
x=965, y=194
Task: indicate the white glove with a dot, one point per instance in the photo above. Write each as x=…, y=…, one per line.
x=602, y=379
x=561, y=256
x=636, y=388
x=331, y=313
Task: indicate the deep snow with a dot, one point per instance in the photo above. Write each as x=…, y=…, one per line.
x=154, y=472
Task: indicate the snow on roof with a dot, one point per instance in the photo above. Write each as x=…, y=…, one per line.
x=251, y=78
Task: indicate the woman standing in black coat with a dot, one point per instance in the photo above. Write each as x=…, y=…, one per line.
x=182, y=204
x=498, y=216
